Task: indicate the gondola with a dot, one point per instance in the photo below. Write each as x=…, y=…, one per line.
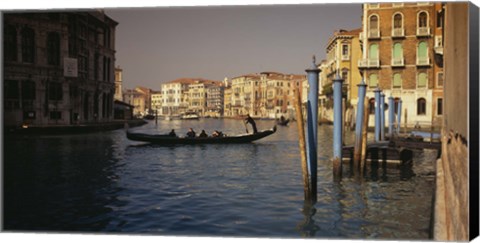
x=168, y=140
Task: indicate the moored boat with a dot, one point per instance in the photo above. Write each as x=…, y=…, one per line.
x=190, y=116
x=167, y=139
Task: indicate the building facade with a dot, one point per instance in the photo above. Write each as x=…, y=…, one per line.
x=156, y=102
x=118, y=84
x=399, y=43
x=343, y=52
x=263, y=95
x=58, y=68
x=139, y=98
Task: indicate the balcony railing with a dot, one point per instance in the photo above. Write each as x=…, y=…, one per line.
x=368, y=63
x=397, y=62
x=423, y=61
x=423, y=31
x=438, y=50
x=374, y=33
x=345, y=57
x=398, y=32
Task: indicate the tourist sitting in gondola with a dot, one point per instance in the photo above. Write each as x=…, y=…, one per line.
x=191, y=133
x=203, y=134
x=172, y=133
x=217, y=134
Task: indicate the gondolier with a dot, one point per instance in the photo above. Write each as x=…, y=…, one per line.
x=250, y=120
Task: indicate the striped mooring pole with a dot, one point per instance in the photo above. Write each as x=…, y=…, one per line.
x=312, y=126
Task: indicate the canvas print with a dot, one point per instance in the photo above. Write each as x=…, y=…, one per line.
x=300, y=121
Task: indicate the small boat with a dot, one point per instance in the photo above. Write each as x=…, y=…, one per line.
x=170, y=140
x=190, y=116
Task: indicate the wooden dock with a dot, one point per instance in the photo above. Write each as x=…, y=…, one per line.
x=381, y=152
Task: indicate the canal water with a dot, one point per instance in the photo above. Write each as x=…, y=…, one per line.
x=104, y=183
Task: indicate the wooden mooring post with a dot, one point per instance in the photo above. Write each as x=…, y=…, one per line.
x=307, y=191
x=363, y=154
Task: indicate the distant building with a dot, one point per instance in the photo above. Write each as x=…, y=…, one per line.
x=198, y=96
x=118, y=83
x=58, y=68
x=215, y=99
x=264, y=95
x=139, y=98
x=402, y=55
x=156, y=102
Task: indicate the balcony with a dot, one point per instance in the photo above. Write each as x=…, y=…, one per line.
x=374, y=34
x=369, y=63
x=423, y=61
x=438, y=50
x=423, y=31
x=345, y=57
x=398, y=62
x=398, y=32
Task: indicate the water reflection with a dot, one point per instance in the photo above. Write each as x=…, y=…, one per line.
x=106, y=183
x=307, y=227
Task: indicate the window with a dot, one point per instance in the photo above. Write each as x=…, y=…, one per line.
x=373, y=80
x=28, y=90
x=397, y=21
x=422, y=80
x=397, y=30
x=371, y=106
x=421, y=106
x=422, y=20
x=397, y=54
x=11, y=89
x=440, y=106
x=53, y=48
x=373, y=27
x=345, y=74
x=422, y=53
x=440, y=79
x=28, y=45
x=10, y=43
x=397, y=81
x=55, y=91
x=439, y=19
x=344, y=50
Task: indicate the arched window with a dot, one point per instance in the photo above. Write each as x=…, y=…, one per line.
x=373, y=26
x=397, y=80
x=397, y=21
x=373, y=80
x=397, y=54
x=10, y=47
x=422, y=53
x=422, y=20
x=422, y=80
x=374, y=22
x=421, y=106
x=28, y=45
